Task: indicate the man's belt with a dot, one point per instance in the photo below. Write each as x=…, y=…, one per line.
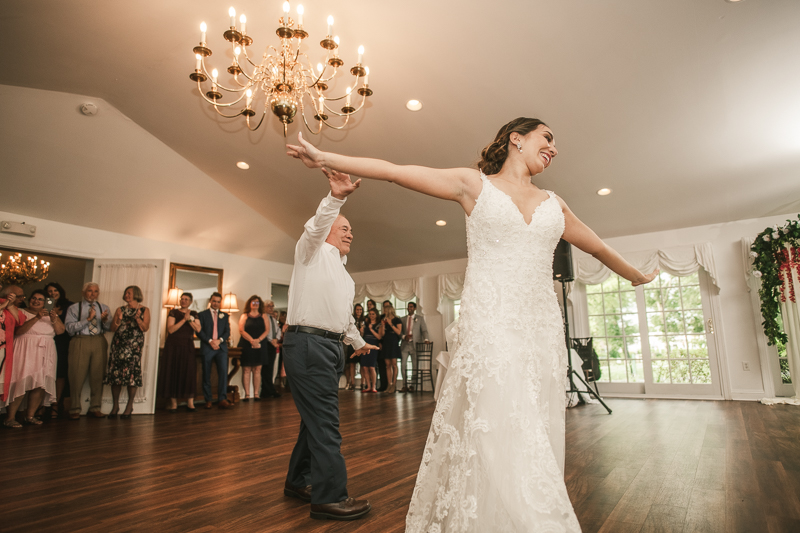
x=317, y=331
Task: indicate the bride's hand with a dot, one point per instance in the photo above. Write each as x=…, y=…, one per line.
x=647, y=279
x=306, y=152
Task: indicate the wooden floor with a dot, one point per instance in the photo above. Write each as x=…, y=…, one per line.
x=654, y=465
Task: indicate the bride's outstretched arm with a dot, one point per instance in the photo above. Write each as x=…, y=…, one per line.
x=448, y=184
x=579, y=234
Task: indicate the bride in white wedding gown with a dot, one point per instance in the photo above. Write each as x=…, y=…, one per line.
x=494, y=458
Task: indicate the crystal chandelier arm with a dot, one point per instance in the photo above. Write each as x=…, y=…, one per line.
x=247, y=118
x=346, y=120
x=217, y=104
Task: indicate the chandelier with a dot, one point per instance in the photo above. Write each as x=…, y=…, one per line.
x=15, y=271
x=285, y=77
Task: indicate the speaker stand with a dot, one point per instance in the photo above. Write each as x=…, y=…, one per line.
x=572, y=373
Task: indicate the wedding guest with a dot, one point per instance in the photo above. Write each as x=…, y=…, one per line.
x=34, y=376
x=253, y=329
x=380, y=365
x=391, y=332
x=415, y=330
x=271, y=344
x=215, y=330
x=87, y=321
x=11, y=317
x=129, y=325
x=62, y=303
x=370, y=332
x=352, y=361
x=178, y=376
x=281, y=370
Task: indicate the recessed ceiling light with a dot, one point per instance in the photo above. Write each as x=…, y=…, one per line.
x=242, y=165
x=441, y=223
x=734, y=1
x=414, y=105
x=604, y=191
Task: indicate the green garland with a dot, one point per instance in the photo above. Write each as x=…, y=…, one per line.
x=767, y=253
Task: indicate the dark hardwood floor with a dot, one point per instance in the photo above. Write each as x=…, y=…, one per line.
x=654, y=465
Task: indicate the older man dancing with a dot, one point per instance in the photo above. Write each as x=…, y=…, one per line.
x=321, y=296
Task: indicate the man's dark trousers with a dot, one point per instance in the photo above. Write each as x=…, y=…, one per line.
x=220, y=358
x=267, y=384
x=313, y=365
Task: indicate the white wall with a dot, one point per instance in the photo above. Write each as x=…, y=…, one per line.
x=740, y=336
x=242, y=275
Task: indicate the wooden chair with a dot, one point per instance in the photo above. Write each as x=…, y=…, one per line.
x=424, y=366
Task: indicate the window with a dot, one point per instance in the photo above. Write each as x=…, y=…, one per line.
x=783, y=358
x=614, y=325
x=400, y=306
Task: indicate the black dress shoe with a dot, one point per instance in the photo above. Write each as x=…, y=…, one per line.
x=124, y=417
x=303, y=493
x=350, y=509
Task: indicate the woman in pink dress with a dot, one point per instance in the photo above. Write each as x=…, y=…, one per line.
x=10, y=318
x=33, y=376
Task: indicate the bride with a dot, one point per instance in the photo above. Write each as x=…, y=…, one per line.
x=494, y=458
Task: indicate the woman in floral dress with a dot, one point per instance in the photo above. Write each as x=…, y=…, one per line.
x=125, y=361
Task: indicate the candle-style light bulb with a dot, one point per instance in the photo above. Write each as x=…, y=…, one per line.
x=237, y=51
x=199, y=60
x=321, y=105
x=232, y=13
x=203, y=29
x=336, y=40
x=286, y=13
x=330, y=25
x=300, y=12
x=360, y=53
x=320, y=67
x=348, y=96
x=243, y=21
x=249, y=97
x=366, y=78
x=214, y=75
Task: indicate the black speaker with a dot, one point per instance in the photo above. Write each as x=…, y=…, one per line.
x=562, y=262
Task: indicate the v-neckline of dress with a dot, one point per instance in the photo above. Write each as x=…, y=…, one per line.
x=516, y=207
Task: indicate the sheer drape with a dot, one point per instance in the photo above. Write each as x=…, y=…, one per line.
x=450, y=286
x=402, y=289
x=113, y=278
x=681, y=261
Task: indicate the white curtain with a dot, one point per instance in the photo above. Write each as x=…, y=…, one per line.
x=450, y=286
x=113, y=278
x=680, y=261
x=402, y=289
x=790, y=312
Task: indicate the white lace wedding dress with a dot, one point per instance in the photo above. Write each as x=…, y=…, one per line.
x=494, y=458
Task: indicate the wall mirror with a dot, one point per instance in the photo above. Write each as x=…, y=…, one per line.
x=200, y=281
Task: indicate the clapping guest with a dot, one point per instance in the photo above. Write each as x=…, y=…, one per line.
x=34, y=374
x=391, y=332
x=129, y=325
x=178, y=376
x=87, y=321
x=62, y=304
x=352, y=361
x=371, y=335
x=10, y=318
x=253, y=329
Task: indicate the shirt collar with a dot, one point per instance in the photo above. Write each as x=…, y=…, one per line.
x=335, y=251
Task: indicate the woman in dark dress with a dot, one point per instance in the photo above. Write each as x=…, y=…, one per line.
x=178, y=377
x=56, y=292
x=253, y=328
x=125, y=360
x=370, y=332
x=391, y=333
x=350, y=369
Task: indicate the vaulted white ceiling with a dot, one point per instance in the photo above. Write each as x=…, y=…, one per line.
x=688, y=109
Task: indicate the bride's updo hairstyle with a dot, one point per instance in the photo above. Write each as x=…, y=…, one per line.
x=494, y=156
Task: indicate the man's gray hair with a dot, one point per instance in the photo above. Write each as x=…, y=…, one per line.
x=89, y=284
x=267, y=302
x=5, y=291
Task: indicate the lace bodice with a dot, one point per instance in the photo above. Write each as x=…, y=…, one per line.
x=494, y=456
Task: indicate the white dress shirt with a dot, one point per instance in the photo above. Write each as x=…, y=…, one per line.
x=321, y=291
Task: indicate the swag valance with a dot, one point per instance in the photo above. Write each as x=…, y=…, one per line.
x=402, y=289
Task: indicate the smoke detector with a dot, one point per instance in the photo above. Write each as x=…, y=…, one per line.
x=89, y=109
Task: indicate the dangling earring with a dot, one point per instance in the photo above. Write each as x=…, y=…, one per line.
x=519, y=146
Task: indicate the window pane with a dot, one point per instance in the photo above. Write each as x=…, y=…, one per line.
x=672, y=298
x=634, y=346
x=677, y=348
x=661, y=371
x=697, y=347
x=613, y=325
x=618, y=372
x=611, y=284
x=625, y=285
x=658, y=347
x=785, y=376
x=691, y=297
x=615, y=350
x=667, y=280
x=591, y=289
x=655, y=323
x=694, y=321
x=635, y=371
x=604, y=375
x=628, y=300
x=596, y=326
x=701, y=371
x=652, y=300
x=674, y=322
x=691, y=279
x=599, y=346
x=611, y=301
x=680, y=371
x=631, y=323
x=595, y=302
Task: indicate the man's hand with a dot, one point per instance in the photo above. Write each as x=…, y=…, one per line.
x=341, y=185
x=104, y=315
x=92, y=313
x=214, y=343
x=274, y=342
x=361, y=351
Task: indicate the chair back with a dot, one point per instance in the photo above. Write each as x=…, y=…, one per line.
x=590, y=363
x=424, y=349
